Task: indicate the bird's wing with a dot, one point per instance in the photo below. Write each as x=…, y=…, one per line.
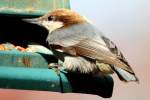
x=114, y=49
x=92, y=49
x=87, y=41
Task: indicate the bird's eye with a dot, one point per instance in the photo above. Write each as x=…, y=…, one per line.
x=51, y=18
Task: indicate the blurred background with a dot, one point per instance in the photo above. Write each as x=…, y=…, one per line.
x=127, y=23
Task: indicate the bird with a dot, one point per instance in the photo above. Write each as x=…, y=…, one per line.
x=81, y=46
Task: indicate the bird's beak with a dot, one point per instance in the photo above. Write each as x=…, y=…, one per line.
x=33, y=21
x=49, y=25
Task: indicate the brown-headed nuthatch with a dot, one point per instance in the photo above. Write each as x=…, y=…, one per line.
x=81, y=46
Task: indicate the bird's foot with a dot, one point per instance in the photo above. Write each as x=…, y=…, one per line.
x=56, y=67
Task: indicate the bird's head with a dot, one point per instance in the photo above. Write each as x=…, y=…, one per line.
x=59, y=18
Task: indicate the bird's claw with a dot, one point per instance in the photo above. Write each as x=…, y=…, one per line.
x=56, y=67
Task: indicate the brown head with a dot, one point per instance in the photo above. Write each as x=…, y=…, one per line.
x=58, y=19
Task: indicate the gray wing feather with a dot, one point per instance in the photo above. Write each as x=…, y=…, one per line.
x=113, y=48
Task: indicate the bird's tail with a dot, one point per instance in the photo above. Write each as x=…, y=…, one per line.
x=125, y=75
